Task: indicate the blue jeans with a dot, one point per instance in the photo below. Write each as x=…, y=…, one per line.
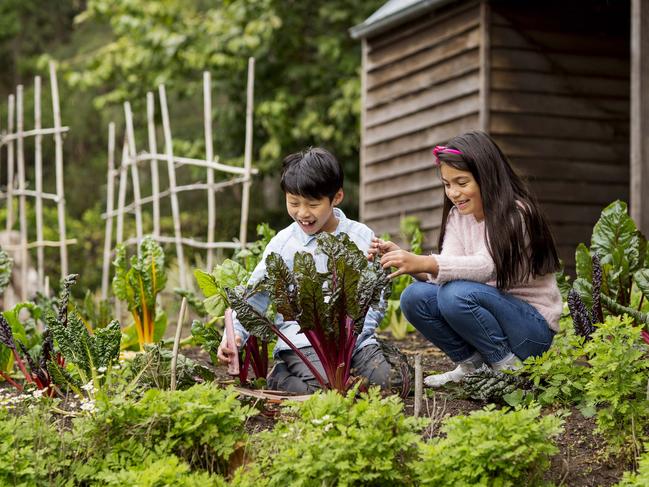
x=462, y=317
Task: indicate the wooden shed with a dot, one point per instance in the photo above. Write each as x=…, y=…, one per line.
x=561, y=86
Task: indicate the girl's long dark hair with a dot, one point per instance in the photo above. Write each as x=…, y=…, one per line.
x=517, y=234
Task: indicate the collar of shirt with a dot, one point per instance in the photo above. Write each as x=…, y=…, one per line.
x=304, y=238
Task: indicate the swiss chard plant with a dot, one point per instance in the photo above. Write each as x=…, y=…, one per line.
x=614, y=270
x=329, y=307
x=139, y=284
x=228, y=275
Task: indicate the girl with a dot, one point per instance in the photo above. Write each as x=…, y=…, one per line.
x=490, y=295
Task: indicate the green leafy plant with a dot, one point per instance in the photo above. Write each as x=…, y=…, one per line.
x=329, y=307
x=560, y=374
x=394, y=320
x=623, y=253
x=203, y=426
x=250, y=256
x=617, y=383
x=139, y=285
x=490, y=447
x=94, y=314
x=332, y=439
x=639, y=478
x=6, y=264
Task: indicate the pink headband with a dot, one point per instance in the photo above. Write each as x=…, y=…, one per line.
x=443, y=148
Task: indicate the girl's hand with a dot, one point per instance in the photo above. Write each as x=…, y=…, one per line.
x=223, y=353
x=406, y=263
x=380, y=247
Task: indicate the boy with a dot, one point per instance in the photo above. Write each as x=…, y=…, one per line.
x=312, y=181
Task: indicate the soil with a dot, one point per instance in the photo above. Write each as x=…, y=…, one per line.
x=581, y=461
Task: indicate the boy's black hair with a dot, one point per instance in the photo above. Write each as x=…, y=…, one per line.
x=312, y=173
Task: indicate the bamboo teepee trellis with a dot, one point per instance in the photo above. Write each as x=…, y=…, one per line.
x=13, y=139
x=131, y=160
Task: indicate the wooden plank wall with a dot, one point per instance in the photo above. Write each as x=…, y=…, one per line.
x=559, y=108
x=421, y=88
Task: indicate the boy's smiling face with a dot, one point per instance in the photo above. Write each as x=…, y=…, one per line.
x=314, y=215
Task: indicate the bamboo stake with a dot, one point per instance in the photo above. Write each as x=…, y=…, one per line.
x=153, y=149
x=10, y=164
x=209, y=155
x=58, y=143
x=247, y=159
x=174, y=353
x=175, y=210
x=135, y=176
x=121, y=197
x=419, y=385
x=110, y=196
x=22, y=208
x=38, y=161
x=181, y=161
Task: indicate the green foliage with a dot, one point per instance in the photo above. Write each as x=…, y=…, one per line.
x=560, y=374
x=252, y=255
x=336, y=440
x=94, y=314
x=31, y=451
x=228, y=275
x=139, y=286
x=639, y=478
x=490, y=447
x=208, y=337
x=203, y=426
x=153, y=369
x=6, y=264
x=624, y=256
x=618, y=382
x=394, y=321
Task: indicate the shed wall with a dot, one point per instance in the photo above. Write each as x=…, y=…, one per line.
x=421, y=87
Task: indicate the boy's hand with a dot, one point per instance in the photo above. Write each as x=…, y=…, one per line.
x=223, y=353
x=380, y=247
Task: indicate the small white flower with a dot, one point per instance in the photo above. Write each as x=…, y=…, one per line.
x=88, y=406
x=116, y=366
x=90, y=387
x=101, y=370
x=38, y=393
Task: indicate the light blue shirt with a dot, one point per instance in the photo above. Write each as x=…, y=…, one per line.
x=287, y=243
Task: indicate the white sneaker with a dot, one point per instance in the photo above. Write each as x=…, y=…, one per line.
x=455, y=375
x=510, y=362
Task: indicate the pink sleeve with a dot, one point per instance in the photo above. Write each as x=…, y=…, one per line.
x=455, y=264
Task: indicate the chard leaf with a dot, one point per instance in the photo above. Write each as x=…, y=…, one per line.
x=340, y=247
x=256, y=323
x=206, y=283
x=6, y=263
x=216, y=305
x=310, y=297
x=120, y=282
x=280, y=284
x=106, y=344
x=159, y=325
x=641, y=279
x=149, y=267
x=230, y=274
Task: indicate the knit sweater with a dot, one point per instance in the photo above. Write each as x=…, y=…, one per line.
x=465, y=256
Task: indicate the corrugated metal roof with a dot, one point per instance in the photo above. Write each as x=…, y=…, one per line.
x=393, y=13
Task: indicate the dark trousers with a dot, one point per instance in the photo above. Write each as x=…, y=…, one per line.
x=369, y=362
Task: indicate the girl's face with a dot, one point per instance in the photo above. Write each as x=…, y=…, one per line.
x=463, y=191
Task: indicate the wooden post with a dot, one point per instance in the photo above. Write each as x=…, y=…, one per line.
x=121, y=197
x=38, y=162
x=485, y=65
x=419, y=385
x=135, y=175
x=209, y=155
x=639, y=180
x=110, y=196
x=247, y=159
x=362, y=154
x=171, y=168
x=10, y=163
x=174, y=353
x=58, y=148
x=153, y=149
x=22, y=207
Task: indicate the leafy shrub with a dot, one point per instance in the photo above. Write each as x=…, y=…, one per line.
x=560, y=374
x=639, y=478
x=617, y=382
x=336, y=440
x=490, y=447
x=202, y=425
x=31, y=451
